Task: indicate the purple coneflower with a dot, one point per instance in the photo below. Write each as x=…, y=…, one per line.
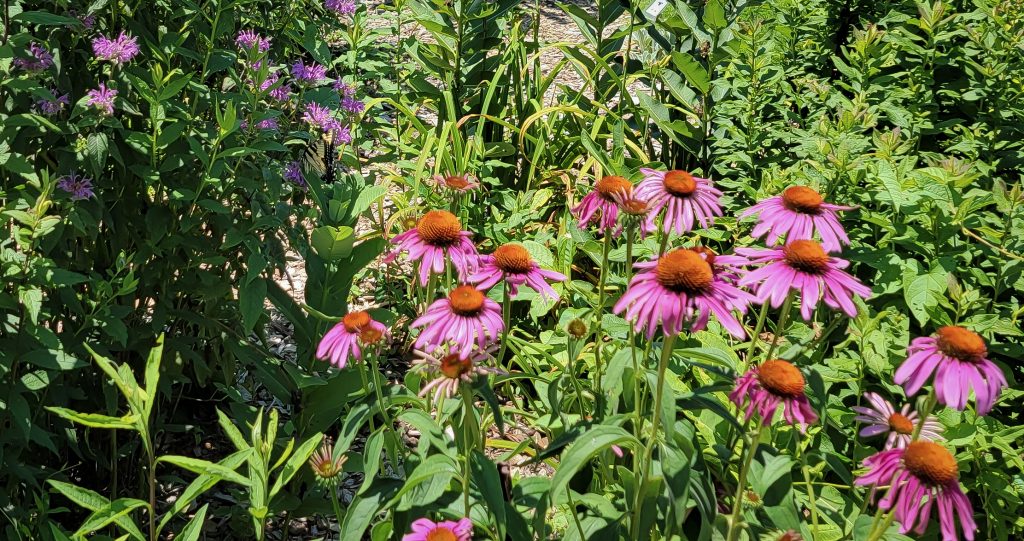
x=55, y=106
x=803, y=265
x=118, y=51
x=898, y=426
x=772, y=384
x=466, y=318
x=437, y=238
x=39, y=59
x=293, y=174
x=958, y=357
x=308, y=74
x=921, y=476
x=599, y=205
x=451, y=369
x=249, y=39
x=456, y=183
x=102, y=98
x=797, y=214
x=78, y=186
x=681, y=289
x=427, y=530
x=341, y=7
x=326, y=468
x=513, y=263
x=635, y=211
x=344, y=339
x=684, y=197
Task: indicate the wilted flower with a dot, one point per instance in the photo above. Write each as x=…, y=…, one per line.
x=898, y=426
x=797, y=214
x=119, y=50
x=921, y=476
x=599, y=205
x=428, y=530
x=456, y=183
x=772, y=384
x=803, y=265
x=681, y=289
x=636, y=211
x=344, y=339
x=102, y=98
x=958, y=357
x=249, y=39
x=308, y=74
x=55, y=106
x=513, y=263
x=684, y=198
x=293, y=173
x=78, y=186
x=39, y=59
x=437, y=238
x=465, y=317
x=452, y=369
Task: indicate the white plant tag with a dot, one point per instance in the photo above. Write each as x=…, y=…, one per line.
x=655, y=9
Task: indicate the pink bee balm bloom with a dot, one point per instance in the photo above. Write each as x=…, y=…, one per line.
x=681, y=288
x=957, y=356
x=514, y=264
x=599, y=205
x=344, y=339
x=797, y=214
x=921, y=476
x=804, y=266
x=456, y=183
x=101, y=98
x=466, y=317
x=119, y=50
x=775, y=383
x=437, y=238
x=898, y=426
x=451, y=369
x=428, y=530
x=684, y=197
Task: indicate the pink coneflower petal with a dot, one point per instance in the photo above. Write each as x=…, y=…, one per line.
x=436, y=240
x=774, y=383
x=427, y=530
x=466, y=318
x=599, y=205
x=514, y=264
x=450, y=368
x=684, y=198
x=796, y=214
x=957, y=357
x=881, y=418
x=344, y=341
x=803, y=266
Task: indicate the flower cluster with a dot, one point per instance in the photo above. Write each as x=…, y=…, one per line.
x=117, y=51
x=79, y=187
x=345, y=8
x=55, y=106
x=39, y=59
x=308, y=74
x=249, y=40
x=102, y=99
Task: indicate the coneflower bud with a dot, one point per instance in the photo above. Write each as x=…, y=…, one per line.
x=577, y=329
x=327, y=468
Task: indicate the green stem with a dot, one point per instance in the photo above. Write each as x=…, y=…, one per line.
x=366, y=385
x=810, y=492
x=780, y=328
x=598, y=316
x=335, y=504
x=506, y=317
x=741, y=484
x=645, y=464
x=468, y=441
x=755, y=336
x=389, y=426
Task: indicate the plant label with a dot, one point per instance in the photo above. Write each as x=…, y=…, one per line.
x=655, y=9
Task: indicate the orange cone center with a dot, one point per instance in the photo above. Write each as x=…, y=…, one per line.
x=781, y=378
x=901, y=424
x=683, y=271
x=680, y=183
x=807, y=256
x=802, y=199
x=513, y=258
x=608, y=186
x=355, y=321
x=708, y=253
x=370, y=336
x=456, y=182
x=930, y=462
x=961, y=343
x=453, y=367
x=466, y=300
x=439, y=228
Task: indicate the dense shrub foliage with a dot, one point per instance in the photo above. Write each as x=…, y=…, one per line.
x=712, y=270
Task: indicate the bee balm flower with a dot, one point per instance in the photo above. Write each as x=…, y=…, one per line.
x=898, y=426
x=684, y=198
x=117, y=51
x=804, y=266
x=427, y=530
x=680, y=288
x=957, y=356
x=514, y=264
x=437, y=238
x=600, y=206
x=797, y=214
x=775, y=383
x=466, y=317
x=919, y=477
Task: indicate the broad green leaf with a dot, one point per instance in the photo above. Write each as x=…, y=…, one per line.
x=109, y=513
x=93, y=501
x=588, y=445
x=297, y=461
x=333, y=243
x=205, y=467
x=194, y=527
x=200, y=485
x=96, y=420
